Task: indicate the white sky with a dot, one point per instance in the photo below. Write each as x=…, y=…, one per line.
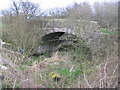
x=47, y=4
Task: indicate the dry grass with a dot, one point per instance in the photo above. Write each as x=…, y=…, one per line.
x=101, y=72
x=103, y=75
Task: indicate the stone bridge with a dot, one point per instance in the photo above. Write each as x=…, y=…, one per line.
x=89, y=31
x=51, y=38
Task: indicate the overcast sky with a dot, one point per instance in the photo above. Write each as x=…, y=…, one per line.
x=48, y=4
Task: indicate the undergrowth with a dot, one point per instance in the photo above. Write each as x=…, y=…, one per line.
x=77, y=66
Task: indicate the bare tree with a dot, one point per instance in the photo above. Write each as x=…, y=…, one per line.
x=29, y=9
x=21, y=30
x=106, y=14
x=25, y=8
x=78, y=11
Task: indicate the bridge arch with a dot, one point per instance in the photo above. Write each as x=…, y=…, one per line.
x=51, y=38
x=65, y=30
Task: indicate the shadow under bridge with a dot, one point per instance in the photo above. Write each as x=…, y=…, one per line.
x=51, y=39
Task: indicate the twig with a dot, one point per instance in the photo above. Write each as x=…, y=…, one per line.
x=108, y=62
x=112, y=73
x=87, y=81
x=115, y=85
x=100, y=75
x=106, y=77
x=73, y=84
x=62, y=80
x=39, y=86
x=115, y=68
x=79, y=82
x=105, y=71
x=71, y=68
x=14, y=83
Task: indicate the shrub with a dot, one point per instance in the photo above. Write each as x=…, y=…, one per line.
x=22, y=34
x=76, y=47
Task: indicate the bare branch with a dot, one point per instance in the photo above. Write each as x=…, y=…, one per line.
x=87, y=81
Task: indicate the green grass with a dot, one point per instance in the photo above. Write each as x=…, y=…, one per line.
x=22, y=68
x=29, y=63
x=38, y=59
x=64, y=71
x=105, y=31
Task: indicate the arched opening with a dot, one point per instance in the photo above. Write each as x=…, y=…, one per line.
x=49, y=42
x=52, y=36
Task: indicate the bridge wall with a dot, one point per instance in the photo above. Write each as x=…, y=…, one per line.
x=89, y=31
